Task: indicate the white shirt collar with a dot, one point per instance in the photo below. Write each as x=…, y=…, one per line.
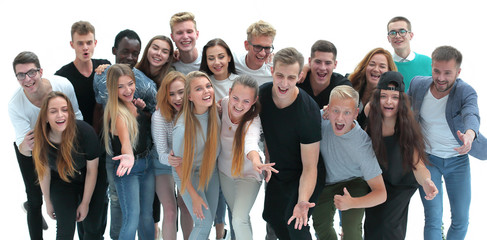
x=409, y=58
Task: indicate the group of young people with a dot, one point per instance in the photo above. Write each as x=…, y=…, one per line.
x=200, y=131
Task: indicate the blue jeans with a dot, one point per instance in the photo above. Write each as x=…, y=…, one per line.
x=115, y=211
x=136, y=194
x=456, y=172
x=202, y=227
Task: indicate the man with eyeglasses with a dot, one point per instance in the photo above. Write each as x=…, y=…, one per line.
x=23, y=109
x=260, y=36
x=409, y=63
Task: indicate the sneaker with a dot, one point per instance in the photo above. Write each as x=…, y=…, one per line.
x=25, y=207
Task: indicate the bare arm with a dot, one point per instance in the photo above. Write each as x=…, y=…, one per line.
x=377, y=196
x=127, y=157
x=90, y=182
x=423, y=177
x=307, y=182
x=46, y=191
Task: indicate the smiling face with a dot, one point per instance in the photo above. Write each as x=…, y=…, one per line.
x=127, y=51
x=444, y=73
x=201, y=94
x=285, y=78
x=57, y=114
x=389, y=102
x=176, y=94
x=126, y=89
x=84, y=46
x=218, y=59
x=240, y=99
x=184, y=35
x=400, y=43
x=342, y=113
x=255, y=60
x=377, y=65
x=322, y=65
x=158, y=53
x=29, y=84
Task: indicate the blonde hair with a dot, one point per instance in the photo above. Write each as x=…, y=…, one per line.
x=64, y=159
x=116, y=108
x=344, y=92
x=182, y=17
x=260, y=28
x=166, y=109
x=191, y=128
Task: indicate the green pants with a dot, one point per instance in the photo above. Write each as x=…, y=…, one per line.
x=324, y=211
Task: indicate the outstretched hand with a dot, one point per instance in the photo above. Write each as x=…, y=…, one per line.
x=267, y=168
x=467, y=139
x=126, y=164
x=300, y=214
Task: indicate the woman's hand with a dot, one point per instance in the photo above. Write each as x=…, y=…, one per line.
x=173, y=160
x=430, y=189
x=50, y=210
x=266, y=168
x=139, y=103
x=198, y=204
x=126, y=164
x=82, y=211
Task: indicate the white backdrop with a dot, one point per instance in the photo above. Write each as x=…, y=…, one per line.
x=355, y=27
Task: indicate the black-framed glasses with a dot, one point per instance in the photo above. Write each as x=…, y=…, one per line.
x=31, y=73
x=258, y=48
x=401, y=32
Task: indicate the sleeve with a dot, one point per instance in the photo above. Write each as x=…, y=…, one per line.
x=100, y=87
x=252, y=137
x=161, y=134
x=88, y=140
x=178, y=138
x=369, y=166
x=470, y=110
x=20, y=122
x=146, y=90
x=68, y=89
x=310, y=126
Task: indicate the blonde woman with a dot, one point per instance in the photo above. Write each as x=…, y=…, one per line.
x=127, y=136
x=66, y=160
x=196, y=142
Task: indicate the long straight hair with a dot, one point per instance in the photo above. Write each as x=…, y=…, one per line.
x=144, y=64
x=116, y=108
x=165, y=107
x=238, y=146
x=406, y=128
x=64, y=159
x=191, y=128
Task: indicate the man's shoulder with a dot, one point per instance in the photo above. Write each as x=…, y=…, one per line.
x=421, y=56
x=65, y=70
x=420, y=82
x=337, y=79
x=98, y=62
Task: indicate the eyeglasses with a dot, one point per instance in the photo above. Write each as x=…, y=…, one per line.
x=258, y=48
x=31, y=73
x=401, y=32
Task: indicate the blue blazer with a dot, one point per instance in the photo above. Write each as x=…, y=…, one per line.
x=461, y=113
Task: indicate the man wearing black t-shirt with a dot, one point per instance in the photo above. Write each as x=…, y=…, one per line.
x=291, y=124
x=80, y=73
x=321, y=79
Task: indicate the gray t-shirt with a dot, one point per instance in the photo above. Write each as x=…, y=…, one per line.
x=348, y=156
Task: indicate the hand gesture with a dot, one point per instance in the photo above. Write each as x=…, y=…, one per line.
x=300, y=213
x=219, y=107
x=267, y=168
x=101, y=68
x=173, y=160
x=429, y=189
x=126, y=164
x=467, y=139
x=139, y=103
x=198, y=203
x=344, y=202
x=82, y=211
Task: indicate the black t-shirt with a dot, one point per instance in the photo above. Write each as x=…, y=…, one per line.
x=83, y=87
x=285, y=129
x=323, y=97
x=86, y=148
x=145, y=138
x=395, y=174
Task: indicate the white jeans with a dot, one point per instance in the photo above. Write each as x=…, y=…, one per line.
x=240, y=194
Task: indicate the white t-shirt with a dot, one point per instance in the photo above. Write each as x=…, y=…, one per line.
x=221, y=87
x=435, y=127
x=251, y=144
x=186, y=68
x=261, y=75
x=23, y=113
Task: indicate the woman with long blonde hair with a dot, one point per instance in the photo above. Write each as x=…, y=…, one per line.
x=240, y=161
x=127, y=136
x=66, y=160
x=196, y=141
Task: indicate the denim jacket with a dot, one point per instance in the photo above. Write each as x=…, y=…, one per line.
x=462, y=111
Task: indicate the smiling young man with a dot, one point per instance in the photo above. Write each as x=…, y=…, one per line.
x=449, y=116
x=184, y=34
x=291, y=124
x=409, y=63
x=23, y=109
x=350, y=171
x=259, y=46
x=321, y=79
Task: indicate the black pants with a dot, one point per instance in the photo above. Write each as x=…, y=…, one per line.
x=34, y=195
x=94, y=225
